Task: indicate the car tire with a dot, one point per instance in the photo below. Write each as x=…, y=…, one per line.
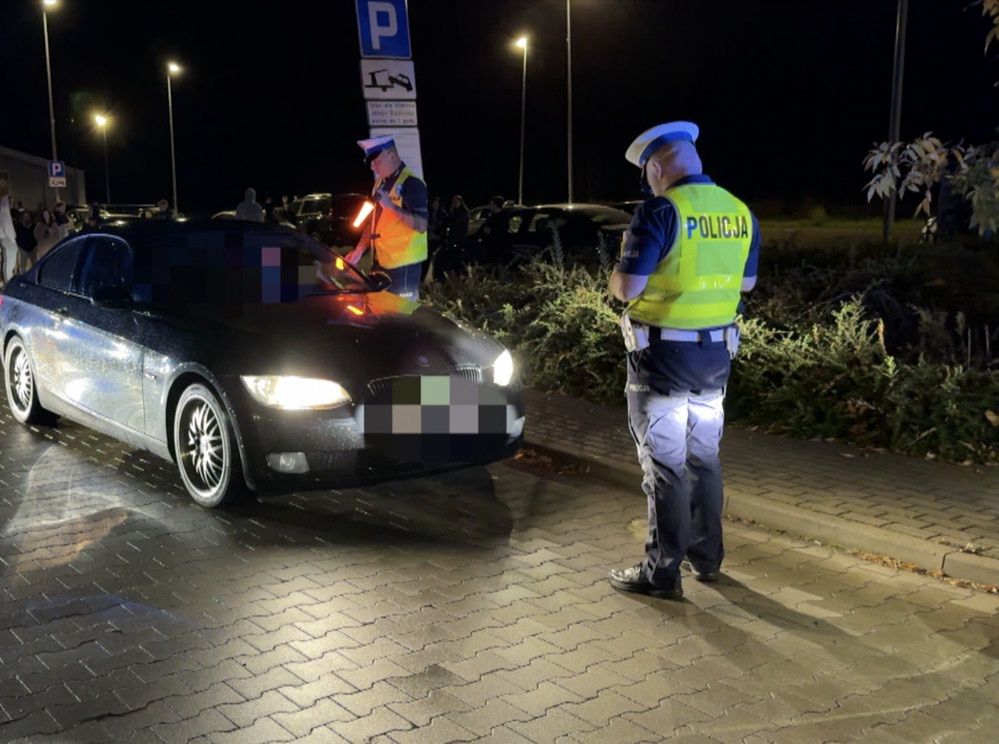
x=206, y=451
x=21, y=386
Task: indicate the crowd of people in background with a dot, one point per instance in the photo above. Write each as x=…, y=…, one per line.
x=450, y=226
x=271, y=212
x=26, y=235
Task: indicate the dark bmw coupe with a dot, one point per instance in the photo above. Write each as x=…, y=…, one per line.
x=253, y=357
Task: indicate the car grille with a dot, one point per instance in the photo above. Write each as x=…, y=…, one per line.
x=470, y=374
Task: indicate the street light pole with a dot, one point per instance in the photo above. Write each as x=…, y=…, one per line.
x=102, y=122
x=568, y=42
x=48, y=75
x=522, y=43
x=172, y=69
x=895, y=117
x=107, y=173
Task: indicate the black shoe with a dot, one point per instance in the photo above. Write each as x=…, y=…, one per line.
x=707, y=577
x=632, y=579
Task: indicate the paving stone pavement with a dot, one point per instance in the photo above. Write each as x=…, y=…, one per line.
x=940, y=516
x=466, y=607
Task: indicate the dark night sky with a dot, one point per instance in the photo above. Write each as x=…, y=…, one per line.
x=789, y=94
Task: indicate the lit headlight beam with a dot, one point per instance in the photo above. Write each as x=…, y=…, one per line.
x=503, y=369
x=295, y=393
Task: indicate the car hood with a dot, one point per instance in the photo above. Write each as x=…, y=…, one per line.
x=350, y=337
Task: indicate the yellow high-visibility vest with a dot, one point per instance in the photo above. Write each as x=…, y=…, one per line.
x=698, y=284
x=396, y=243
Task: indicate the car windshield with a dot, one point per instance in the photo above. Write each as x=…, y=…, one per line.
x=333, y=274
x=223, y=267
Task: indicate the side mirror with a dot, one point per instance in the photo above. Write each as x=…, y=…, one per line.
x=379, y=280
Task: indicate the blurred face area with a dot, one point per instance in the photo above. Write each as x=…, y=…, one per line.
x=386, y=163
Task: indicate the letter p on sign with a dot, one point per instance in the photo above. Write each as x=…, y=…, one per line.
x=384, y=28
x=382, y=11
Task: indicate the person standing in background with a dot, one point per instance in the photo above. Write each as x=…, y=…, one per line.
x=8, y=236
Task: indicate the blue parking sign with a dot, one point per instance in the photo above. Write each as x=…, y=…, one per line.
x=57, y=169
x=383, y=26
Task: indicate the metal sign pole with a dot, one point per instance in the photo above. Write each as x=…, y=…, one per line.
x=48, y=75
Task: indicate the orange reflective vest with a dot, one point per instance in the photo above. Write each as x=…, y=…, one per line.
x=396, y=243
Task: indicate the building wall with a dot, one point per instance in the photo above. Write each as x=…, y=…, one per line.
x=28, y=177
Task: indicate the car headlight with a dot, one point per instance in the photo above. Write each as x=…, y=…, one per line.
x=295, y=393
x=503, y=369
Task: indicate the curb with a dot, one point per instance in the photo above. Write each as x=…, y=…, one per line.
x=827, y=528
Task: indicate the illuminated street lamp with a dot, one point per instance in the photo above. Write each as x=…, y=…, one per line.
x=46, y=6
x=172, y=69
x=521, y=43
x=102, y=121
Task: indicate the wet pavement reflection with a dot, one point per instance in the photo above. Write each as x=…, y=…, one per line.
x=454, y=607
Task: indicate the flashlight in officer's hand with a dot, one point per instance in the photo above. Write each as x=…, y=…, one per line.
x=366, y=209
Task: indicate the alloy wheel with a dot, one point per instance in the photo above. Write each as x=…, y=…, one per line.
x=204, y=456
x=22, y=383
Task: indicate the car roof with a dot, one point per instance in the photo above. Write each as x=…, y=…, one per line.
x=590, y=210
x=145, y=229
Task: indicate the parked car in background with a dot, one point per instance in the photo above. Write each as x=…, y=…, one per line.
x=308, y=206
x=81, y=212
x=260, y=365
x=516, y=234
x=476, y=217
x=335, y=227
x=627, y=206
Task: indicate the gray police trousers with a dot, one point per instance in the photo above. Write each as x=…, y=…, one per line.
x=677, y=437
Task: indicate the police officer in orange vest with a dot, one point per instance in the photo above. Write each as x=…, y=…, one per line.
x=692, y=248
x=397, y=232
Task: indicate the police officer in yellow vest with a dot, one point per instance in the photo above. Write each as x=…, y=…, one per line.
x=397, y=232
x=690, y=251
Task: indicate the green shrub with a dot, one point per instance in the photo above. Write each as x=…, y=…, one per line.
x=814, y=360
x=836, y=379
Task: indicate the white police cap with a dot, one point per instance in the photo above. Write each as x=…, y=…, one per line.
x=651, y=140
x=374, y=146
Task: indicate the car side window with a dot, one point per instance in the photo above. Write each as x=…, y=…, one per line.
x=59, y=269
x=541, y=222
x=107, y=267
